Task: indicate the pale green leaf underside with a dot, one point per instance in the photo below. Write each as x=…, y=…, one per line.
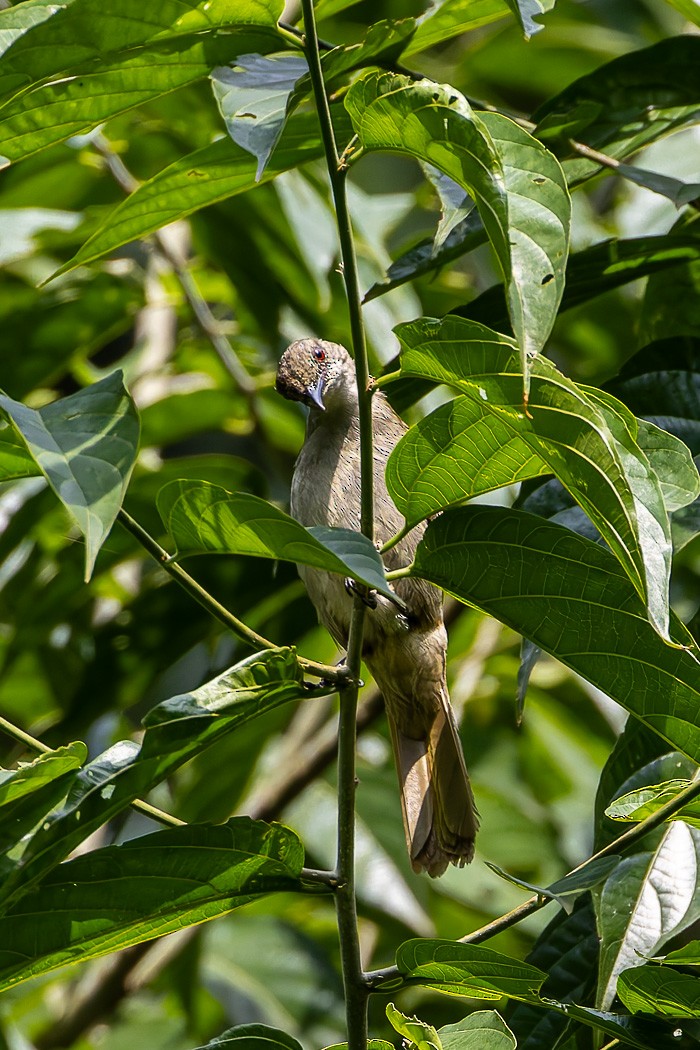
x=86, y=445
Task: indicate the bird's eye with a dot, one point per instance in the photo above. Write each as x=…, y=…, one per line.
x=319, y=353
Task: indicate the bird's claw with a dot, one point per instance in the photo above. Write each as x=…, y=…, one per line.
x=368, y=596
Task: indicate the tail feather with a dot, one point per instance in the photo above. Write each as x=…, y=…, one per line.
x=440, y=816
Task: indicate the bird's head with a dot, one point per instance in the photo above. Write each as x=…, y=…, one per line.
x=316, y=373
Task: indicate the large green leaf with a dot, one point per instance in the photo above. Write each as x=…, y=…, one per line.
x=659, y=990
x=468, y=969
x=624, y=105
x=459, y=451
x=206, y=519
x=80, y=31
x=176, y=730
x=649, y=898
x=570, y=597
x=589, y=448
x=452, y=18
x=122, y=895
x=519, y=188
x=204, y=177
x=86, y=445
x=50, y=113
x=481, y=1030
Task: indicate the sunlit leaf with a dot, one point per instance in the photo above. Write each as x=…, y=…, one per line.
x=421, y=1036
x=481, y=1030
x=603, y=468
x=206, y=519
x=644, y=802
x=658, y=990
x=468, y=969
x=176, y=730
x=121, y=895
x=50, y=113
x=453, y=17
x=571, y=598
x=86, y=445
x=518, y=188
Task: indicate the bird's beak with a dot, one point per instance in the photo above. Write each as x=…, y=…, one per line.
x=315, y=394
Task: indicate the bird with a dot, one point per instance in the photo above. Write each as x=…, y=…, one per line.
x=403, y=647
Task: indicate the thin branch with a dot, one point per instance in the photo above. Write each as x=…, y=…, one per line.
x=195, y=590
x=345, y=896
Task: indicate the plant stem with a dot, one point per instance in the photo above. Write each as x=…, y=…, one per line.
x=356, y=992
x=245, y=633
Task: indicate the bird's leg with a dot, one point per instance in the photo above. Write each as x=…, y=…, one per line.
x=367, y=595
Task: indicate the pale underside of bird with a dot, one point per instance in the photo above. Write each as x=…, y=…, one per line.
x=404, y=650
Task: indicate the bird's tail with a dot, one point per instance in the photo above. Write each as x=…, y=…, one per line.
x=439, y=813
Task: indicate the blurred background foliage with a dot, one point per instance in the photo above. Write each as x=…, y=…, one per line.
x=87, y=661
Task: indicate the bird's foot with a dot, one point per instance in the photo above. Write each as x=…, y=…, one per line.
x=368, y=596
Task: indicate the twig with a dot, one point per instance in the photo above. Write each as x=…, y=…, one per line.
x=345, y=896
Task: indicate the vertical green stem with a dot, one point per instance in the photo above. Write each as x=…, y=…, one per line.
x=356, y=991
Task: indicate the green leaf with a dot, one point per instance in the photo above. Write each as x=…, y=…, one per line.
x=452, y=18
x=658, y=990
x=688, y=8
x=122, y=895
x=32, y=776
x=372, y=1044
x=253, y=97
x=197, y=180
x=481, y=1030
x=643, y=802
x=570, y=597
x=681, y=193
x=421, y=1036
x=624, y=105
x=206, y=519
x=28, y=793
x=459, y=451
x=15, y=460
x=85, y=444
x=50, y=113
x=80, y=31
x=252, y=1037
x=519, y=188
x=468, y=969
x=176, y=730
x=688, y=955
x=570, y=434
